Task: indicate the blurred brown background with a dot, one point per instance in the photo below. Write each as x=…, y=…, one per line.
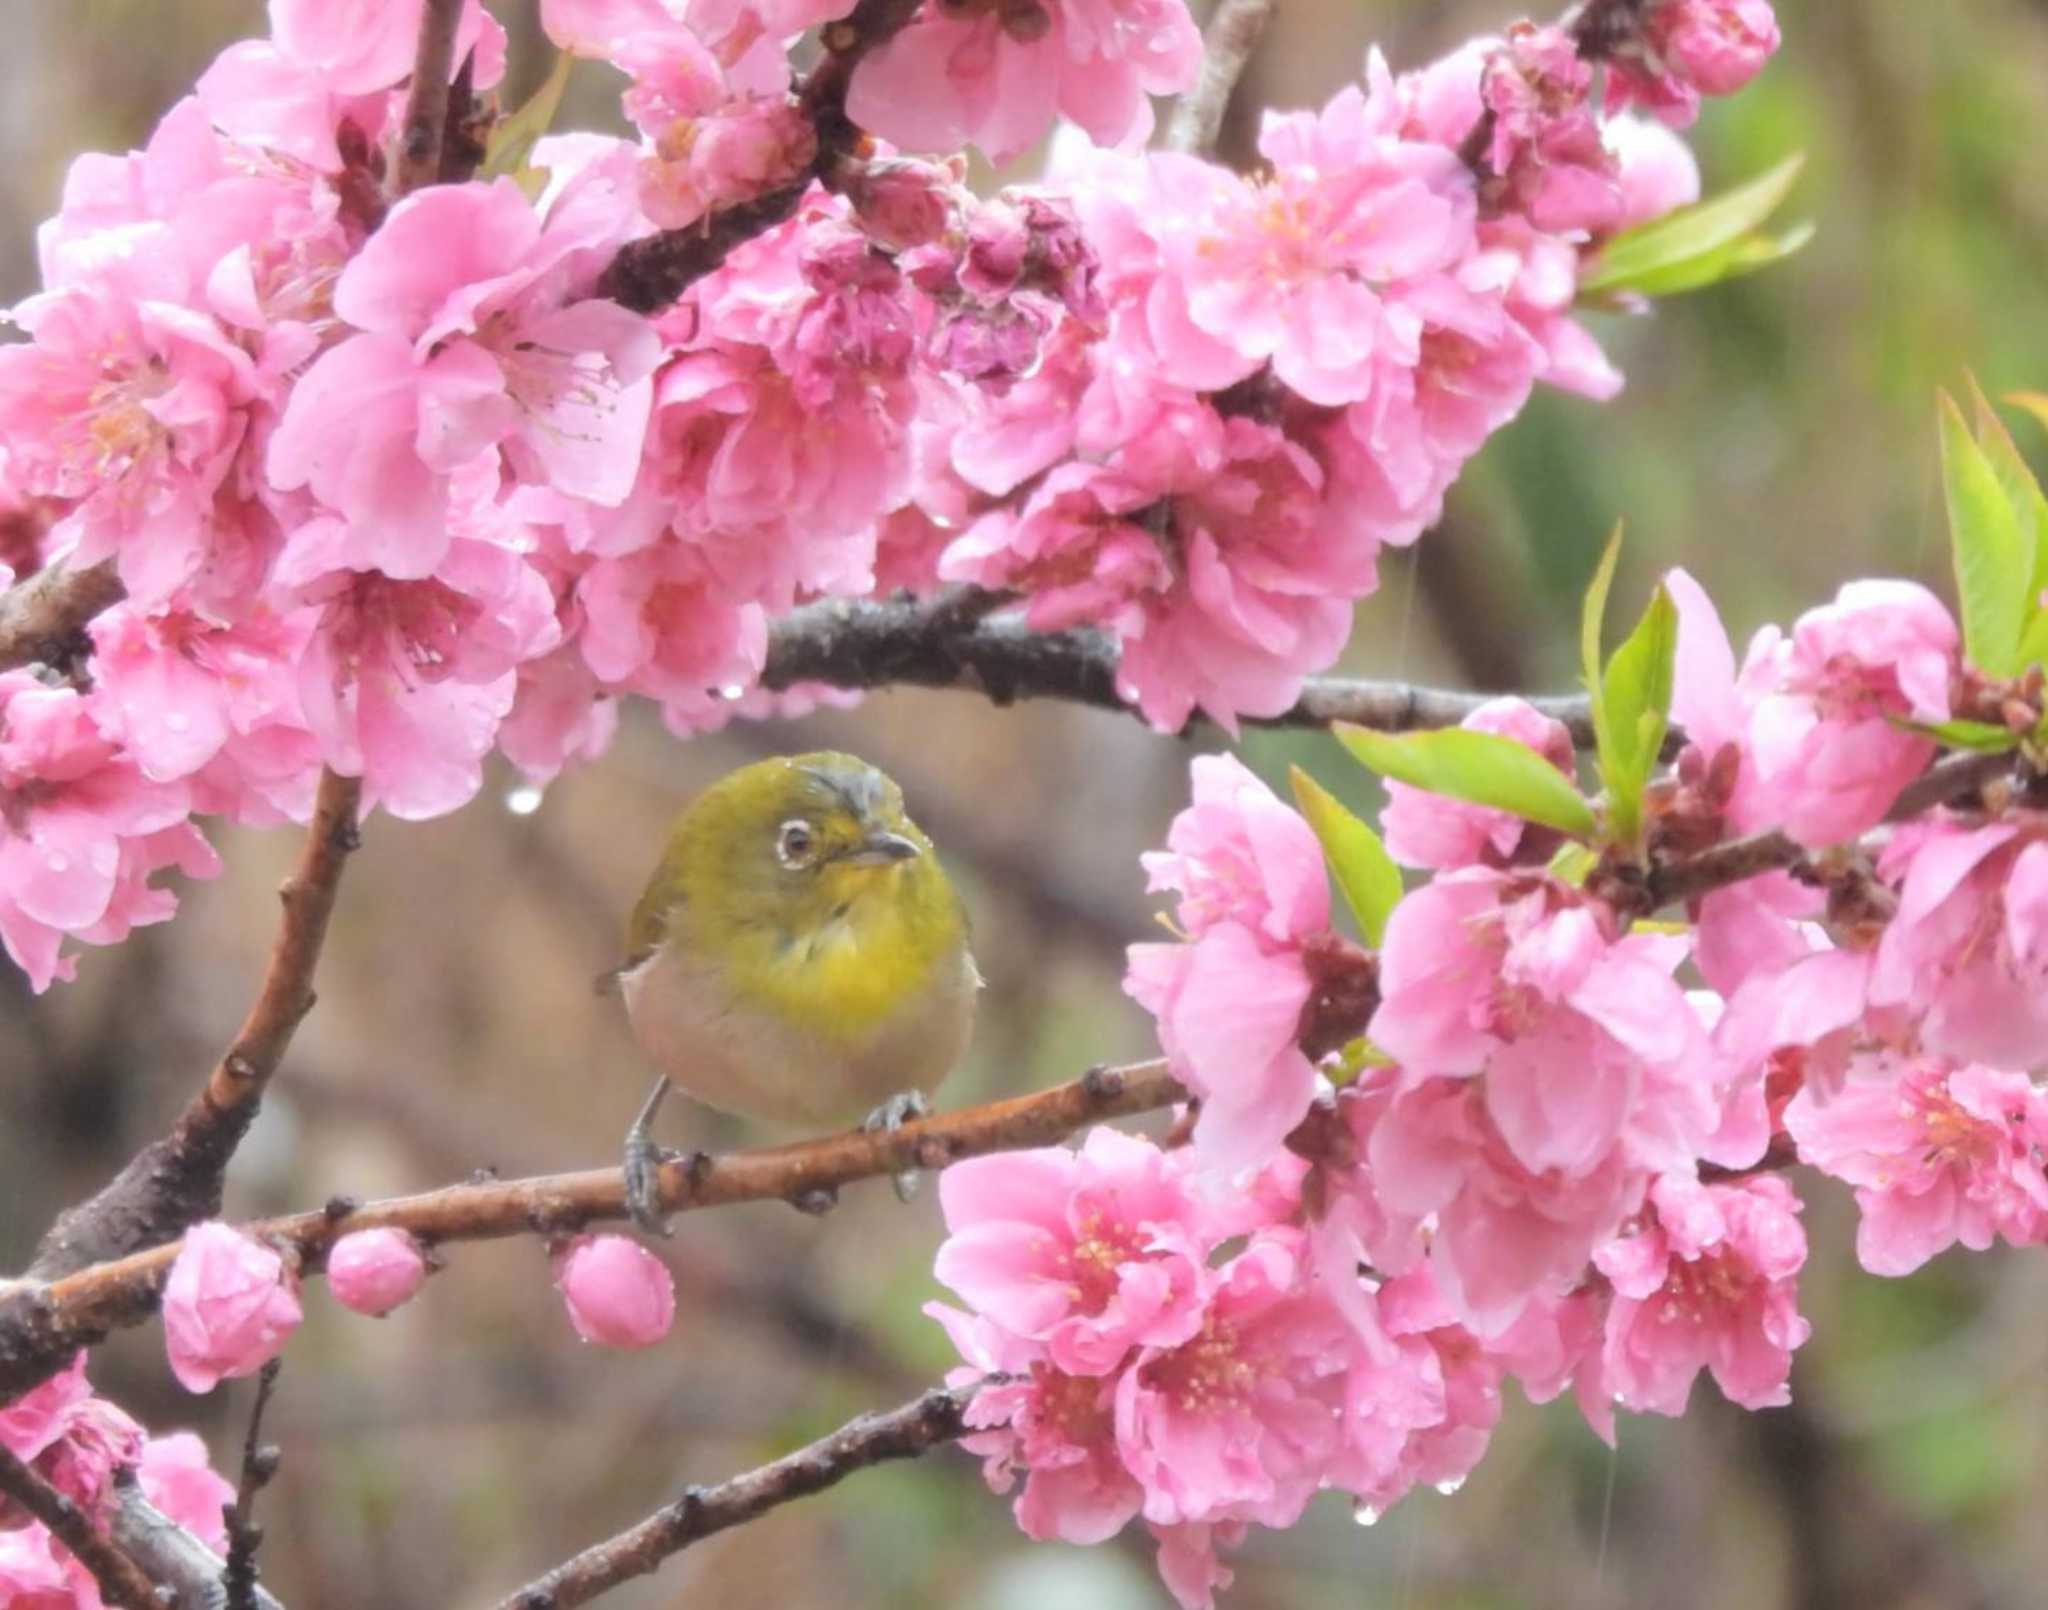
x=1776, y=437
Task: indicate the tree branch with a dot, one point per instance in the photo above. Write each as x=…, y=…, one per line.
x=1227, y=44
x=176, y=1558
x=43, y=618
x=174, y=1182
x=41, y=1324
x=925, y=643
x=934, y=1419
x=425, y=127
x=120, y=1579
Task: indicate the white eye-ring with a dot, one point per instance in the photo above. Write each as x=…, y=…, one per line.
x=793, y=843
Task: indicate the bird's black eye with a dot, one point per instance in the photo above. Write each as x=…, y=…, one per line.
x=794, y=843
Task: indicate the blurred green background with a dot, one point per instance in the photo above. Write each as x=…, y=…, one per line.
x=1776, y=437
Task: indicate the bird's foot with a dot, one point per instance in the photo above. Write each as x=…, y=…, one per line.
x=892, y=1115
x=644, y=1157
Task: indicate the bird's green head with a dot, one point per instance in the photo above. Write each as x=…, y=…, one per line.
x=786, y=848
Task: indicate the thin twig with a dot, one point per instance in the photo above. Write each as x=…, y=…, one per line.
x=120, y=1579
x=1227, y=45
x=176, y=1181
x=426, y=103
x=43, y=618
x=259, y=1464
x=932, y=1420
x=41, y=1324
x=177, y=1559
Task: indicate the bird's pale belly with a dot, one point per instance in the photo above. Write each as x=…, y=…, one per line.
x=741, y=1058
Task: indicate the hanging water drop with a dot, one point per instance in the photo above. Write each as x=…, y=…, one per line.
x=1366, y=1514
x=1449, y=1488
x=523, y=800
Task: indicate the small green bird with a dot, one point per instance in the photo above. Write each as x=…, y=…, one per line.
x=799, y=956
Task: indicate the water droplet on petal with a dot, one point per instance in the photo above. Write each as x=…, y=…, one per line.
x=1449, y=1488
x=523, y=800
x=1366, y=1514
x=733, y=692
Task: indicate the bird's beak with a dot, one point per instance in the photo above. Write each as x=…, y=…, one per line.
x=882, y=849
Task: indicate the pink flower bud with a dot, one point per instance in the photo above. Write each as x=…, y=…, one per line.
x=619, y=1294
x=229, y=1307
x=373, y=1271
x=1717, y=45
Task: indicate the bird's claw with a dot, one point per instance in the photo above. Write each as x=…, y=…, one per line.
x=892, y=1115
x=644, y=1157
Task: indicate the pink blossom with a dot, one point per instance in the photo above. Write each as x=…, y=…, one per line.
x=404, y=682
x=1241, y=1420
x=1709, y=1282
x=1263, y=596
x=1229, y=1002
x=618, y=1293
x=1938, y=1154
x=741, y=150
x=1229, y=1016
x=81, y=831
x=373, y=1271
x=132, y=412
x=995, y=78
x=1825, y=737
x=1692, y=48
x=657, y=622
x=177, y=1479
x=461, y=351
x=230, y=1304
x=1967, y=951
x=1658, y=172
x=1545, y=150
x=71, y=1438
x=1427, y=830
x=363, y=45
x=559, y=715
x=1072, y=549
x=1237, y=854
x=1087, y=1253
x=1058, y=1430
x=1304, y=268
x=39, y=1573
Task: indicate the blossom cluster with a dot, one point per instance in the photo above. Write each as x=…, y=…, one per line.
x=392, y=483
x=83, y=1445
x=1515, y=1134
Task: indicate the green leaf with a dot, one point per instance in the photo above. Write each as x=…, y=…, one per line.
x=1366, y=874
x=1994, y=558
x=1592, y=614
x=1635, y=694
x=512, y=141
x=1479, y=768
x=1697, y=245
x=1985, y=737
x=2022, y=491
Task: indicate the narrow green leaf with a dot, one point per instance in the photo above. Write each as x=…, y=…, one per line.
x=1985, y=737
x=1710, y=233
x=1592, y=615
x=1366, y=875
x=1573, y=864
x=512, y=141
x=1994, y=560
x=1635, y=693
x=1744, y=255
x=2024, y=493
x=1477, y=767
